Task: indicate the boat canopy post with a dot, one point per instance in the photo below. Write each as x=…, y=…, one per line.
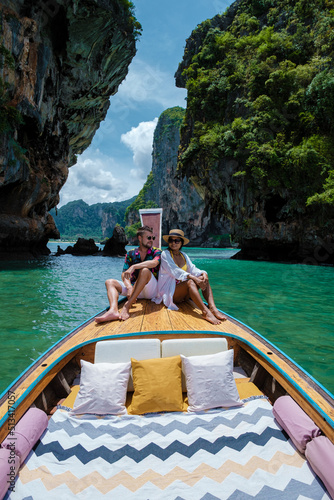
x=152, y=217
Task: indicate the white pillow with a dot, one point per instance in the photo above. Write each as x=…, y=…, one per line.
x=103, y=388
x=210, y=382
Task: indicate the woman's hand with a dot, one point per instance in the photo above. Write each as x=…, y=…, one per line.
x=199, y=281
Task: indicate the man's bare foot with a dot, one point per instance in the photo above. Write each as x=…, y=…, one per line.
x=207, y=314
x=125, y=313
x=218, y=314
x=108, y=316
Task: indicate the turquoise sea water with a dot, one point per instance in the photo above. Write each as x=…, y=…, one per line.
x=290, y=305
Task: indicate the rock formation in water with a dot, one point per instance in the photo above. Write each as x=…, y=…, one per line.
x=60, y=62
x=259, y=125
x=115, y=246
x=181, y=200
x=82, y=247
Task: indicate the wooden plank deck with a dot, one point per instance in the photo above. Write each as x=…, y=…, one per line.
x=149, y=317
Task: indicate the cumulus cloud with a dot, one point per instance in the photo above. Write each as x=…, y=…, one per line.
x=98, y=177
x=145, y=82
x=140, y=140
x=92, y=179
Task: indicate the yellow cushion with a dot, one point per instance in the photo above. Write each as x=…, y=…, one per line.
x=247, y=389
x=69, y=401
x=157, y=384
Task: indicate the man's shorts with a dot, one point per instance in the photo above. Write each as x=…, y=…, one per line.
x=148, y=292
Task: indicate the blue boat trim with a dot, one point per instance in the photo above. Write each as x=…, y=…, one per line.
x=285, y=355
x=121, y=299
x=45, y=352
x=174, y=332
x=168, y=332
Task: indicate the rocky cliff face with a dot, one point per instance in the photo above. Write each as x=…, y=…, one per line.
x=258, y=129
x=64, y=59
x=181, y=200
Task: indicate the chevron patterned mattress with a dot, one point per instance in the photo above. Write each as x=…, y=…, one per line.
x=238, y=453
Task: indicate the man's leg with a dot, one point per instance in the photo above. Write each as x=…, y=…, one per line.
x=144, y=277
x=113, y=290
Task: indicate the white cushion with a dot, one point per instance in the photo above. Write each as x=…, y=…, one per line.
x=103, y=388
x=192, y=347
x=210, y=382
x=121, y=351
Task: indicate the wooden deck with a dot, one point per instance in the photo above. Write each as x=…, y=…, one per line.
x=149, y=317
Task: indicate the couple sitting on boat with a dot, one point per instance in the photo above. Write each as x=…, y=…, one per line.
x=167, y=276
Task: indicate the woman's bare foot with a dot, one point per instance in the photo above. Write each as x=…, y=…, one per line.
x=108, y=316
x=218, y=314
x=207, y=314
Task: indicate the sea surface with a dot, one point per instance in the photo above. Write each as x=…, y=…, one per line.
x=291, y=305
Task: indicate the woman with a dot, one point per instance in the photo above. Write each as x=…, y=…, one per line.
x=179, y=279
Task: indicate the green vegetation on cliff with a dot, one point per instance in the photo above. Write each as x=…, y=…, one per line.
x=140, y=201
x=261, y=92
x=169, y=120
x=77, y=219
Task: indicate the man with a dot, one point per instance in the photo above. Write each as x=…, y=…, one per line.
x=139, y=277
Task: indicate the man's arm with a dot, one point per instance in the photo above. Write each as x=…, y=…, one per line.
x=149, y=264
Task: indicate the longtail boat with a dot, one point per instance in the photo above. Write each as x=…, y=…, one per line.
x=50, y=379
x=276, y=440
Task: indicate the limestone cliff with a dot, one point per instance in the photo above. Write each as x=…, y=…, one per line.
x=259, y=125
x=182, y=202
x=61, y=60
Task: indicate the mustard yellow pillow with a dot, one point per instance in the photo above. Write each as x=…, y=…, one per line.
x=247, y=389
x=157, y=385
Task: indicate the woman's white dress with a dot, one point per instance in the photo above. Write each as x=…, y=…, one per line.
x=168, y=274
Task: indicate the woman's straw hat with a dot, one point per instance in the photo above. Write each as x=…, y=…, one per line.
x=176, y=233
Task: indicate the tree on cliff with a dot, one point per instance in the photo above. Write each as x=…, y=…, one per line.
x=260, y=111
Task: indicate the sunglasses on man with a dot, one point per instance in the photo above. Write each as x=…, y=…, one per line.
x=151, y=238
x=174, y=240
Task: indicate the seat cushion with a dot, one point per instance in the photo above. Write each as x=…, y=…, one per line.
x=121, y=351
x=157, y=384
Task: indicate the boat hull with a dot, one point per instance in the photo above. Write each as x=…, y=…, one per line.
x=49, y=379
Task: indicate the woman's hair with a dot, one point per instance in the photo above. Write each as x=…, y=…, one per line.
x=141, y=230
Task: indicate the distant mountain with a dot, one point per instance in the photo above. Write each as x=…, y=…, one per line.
x=77, y=219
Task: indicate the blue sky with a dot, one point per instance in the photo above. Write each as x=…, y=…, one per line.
x=116, y=164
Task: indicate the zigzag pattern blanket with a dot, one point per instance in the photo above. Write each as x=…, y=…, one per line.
x=220, y=454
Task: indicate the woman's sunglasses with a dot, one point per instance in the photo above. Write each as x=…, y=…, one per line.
x=151, y=238
x=174, y=240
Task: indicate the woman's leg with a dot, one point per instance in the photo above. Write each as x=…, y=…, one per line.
x=181, y=292
x=208, y=295
x=188, y=289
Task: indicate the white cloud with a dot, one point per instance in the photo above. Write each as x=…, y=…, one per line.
x=149, y=83
x=92, y=179
x=98, y=177
x=140, y=140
